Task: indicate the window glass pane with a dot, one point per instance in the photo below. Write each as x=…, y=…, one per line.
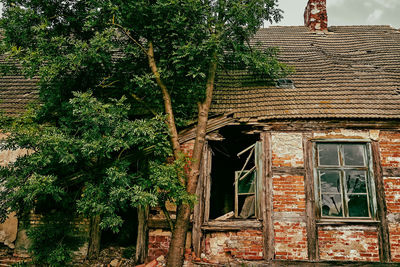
x=330, y=181
x=247, y=185
x=328, y=154
x=355, y=182
x=332, y=205
x=358, y=206
x=353, y=155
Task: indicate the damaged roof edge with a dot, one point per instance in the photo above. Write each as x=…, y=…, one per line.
x=212, y=125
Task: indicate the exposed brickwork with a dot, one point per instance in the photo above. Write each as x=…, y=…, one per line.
x=356, y=243
x=394, y=231
x=187, y=148
x=158, y=243
x=315, y=15
x=392, y=194
x=243, y=245
x=290, y=241
x=390, y=149
x=287, y=150
x=288, y=193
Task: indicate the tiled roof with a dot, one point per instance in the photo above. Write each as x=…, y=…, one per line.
x=16, y=91
x=351, y=72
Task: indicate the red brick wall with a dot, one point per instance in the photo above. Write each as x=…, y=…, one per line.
x=187, y=148
x=389, y=143
x=289, y=194
x=158, y=243
x=394, y=231
x=227, y=246
x=290, y=241
x=356, y=243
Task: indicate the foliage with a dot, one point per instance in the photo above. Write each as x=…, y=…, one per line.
x=86, y=161
x=63, y=235
x=106, y=147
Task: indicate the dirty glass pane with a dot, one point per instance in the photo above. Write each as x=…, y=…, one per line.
x=330, y=181
x=355, y=182
x=247, y=185
x=332, y=205
x=354, y=155
x=328, y=154
x=358, y=206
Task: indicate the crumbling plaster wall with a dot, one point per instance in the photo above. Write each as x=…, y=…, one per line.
x=390, y=158
x=9, y=229
x=289, y=204
x=336, y=243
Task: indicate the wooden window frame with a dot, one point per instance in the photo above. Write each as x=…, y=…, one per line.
x=370, y=181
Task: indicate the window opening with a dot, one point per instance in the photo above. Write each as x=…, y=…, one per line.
x=344, y=180
x=234, y=178
x=285, y=83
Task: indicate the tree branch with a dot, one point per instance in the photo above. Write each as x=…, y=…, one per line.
x=130, y=37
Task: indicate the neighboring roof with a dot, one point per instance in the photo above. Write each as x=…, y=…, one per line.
x=351, y=72
x=16, y=91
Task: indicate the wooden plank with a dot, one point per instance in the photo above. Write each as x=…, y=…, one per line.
x=306, y=125
x=267, y=208
x=143, y=234
x=231, y=225
x=312, y=230
x=207, y=185
x=259, y=164
x=391, y=172
x=198, y=212
x=289, y=170
x=383, y=233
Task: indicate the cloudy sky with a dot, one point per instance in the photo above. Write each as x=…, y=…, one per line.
x=346, y=12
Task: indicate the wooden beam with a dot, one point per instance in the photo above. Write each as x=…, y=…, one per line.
x=383, y=233
x=312, y=229
x=198, y=213
x=231, y=225
x=288, y=170
x=143, y=234
x=267, y=204
x=391, y=172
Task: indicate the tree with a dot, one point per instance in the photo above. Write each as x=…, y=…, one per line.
x=163, y=54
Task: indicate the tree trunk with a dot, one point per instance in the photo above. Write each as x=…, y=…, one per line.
x=142, y=237
x=177, y=245
x=94, y=237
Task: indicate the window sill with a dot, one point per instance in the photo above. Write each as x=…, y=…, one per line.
x=347, y=222
x=231, y=225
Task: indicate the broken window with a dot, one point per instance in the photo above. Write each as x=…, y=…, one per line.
x=344, y=180
x=235, y=175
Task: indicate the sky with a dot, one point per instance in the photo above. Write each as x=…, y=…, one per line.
x=345, y=12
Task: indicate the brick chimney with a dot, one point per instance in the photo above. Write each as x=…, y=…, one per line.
x=315, y=16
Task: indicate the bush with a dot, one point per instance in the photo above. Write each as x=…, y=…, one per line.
x=54, y=240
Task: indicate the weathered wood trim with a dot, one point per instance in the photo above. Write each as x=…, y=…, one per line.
x=383, y=229
x=391, y=172
x=198, y=212
x=143, y=234
x=231, y=225
x=268, y=224
x=158, y=224
x=289, y=170
x=312, y=229
x=306, y=125
x=289, y=217
x=207, y=185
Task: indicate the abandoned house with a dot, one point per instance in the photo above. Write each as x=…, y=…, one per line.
x=307, y=169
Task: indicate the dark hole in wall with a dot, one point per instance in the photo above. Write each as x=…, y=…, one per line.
x=224, y=164
x=128, y=233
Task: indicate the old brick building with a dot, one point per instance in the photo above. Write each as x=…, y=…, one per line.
x=307, y=169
